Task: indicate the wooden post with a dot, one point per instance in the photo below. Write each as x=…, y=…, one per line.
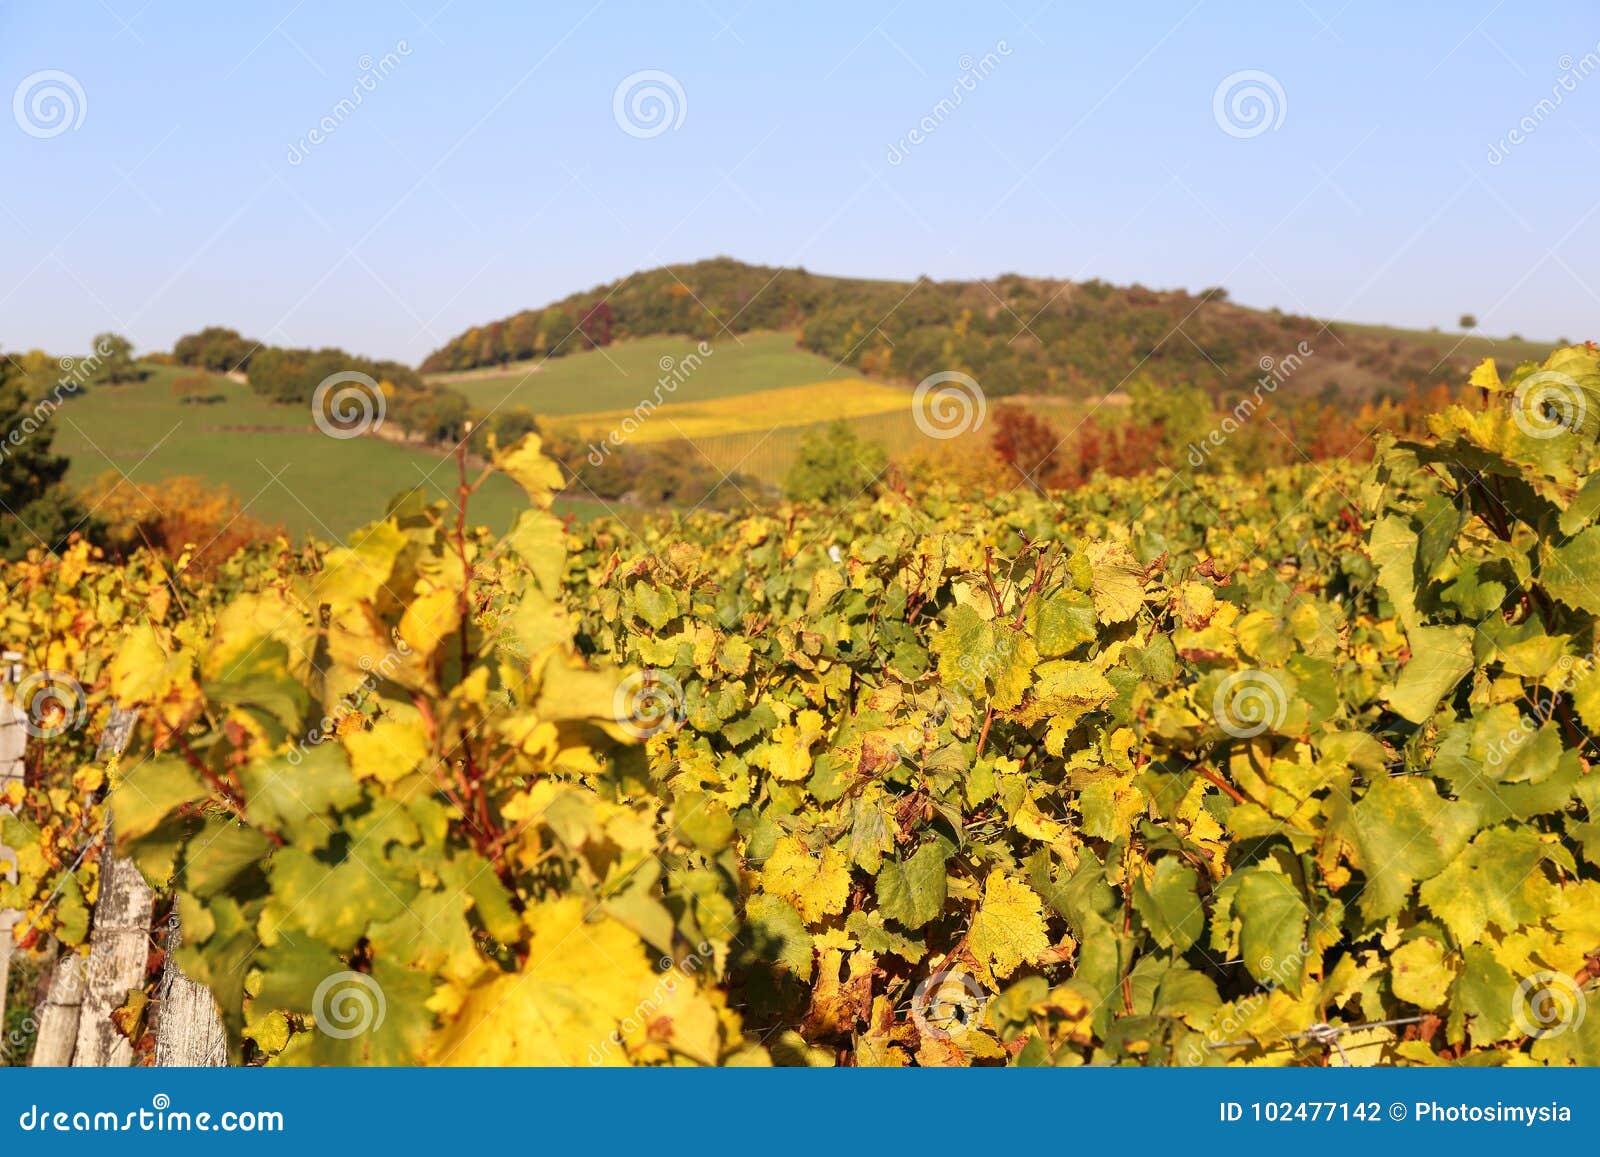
x=58, y=1017
x=189, y=1030
x=119, y=941
x=13, y=745
x=119, y=950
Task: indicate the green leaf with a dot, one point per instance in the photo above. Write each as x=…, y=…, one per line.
x=150, y=791
x=1403, y=832
x=1495, y=881
x=1272, y=918
x=296, y=794
x=912, y=891
x=1440, y=657
x=1169, y=904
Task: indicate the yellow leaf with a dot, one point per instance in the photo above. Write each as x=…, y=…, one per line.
x=1009, y=929
x=530, y=469
x=817, y=885
x=587, y=996
x=430, y=617
x=390, y=750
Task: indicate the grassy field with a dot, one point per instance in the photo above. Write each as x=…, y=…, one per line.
x=1507, y=352
x=621, y=375
x=757, y=412
x=283, y=470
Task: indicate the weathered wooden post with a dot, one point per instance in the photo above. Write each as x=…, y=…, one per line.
x=189, y=1030
x=13, y=745
x=119, y=940
x=119, y=950
x=58, y=1016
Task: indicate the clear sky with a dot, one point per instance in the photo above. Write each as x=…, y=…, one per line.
x=488, y=170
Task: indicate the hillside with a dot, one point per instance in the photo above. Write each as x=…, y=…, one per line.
x=270, y=455
x=1016, y=334
x=618, y=376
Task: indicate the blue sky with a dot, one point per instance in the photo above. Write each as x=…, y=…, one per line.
x=486, y=171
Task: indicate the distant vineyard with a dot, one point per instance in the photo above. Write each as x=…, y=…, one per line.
x=1288, y=768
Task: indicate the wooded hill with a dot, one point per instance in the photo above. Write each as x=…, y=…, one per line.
x=1015, y=334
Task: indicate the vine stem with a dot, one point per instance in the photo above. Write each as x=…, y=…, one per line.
x=1233, y=793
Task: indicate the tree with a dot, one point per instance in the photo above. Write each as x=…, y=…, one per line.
x=215, y=348
x=1025, y=442
x=113, y=360
x=38, y=509
x=835, y=465
x=1468, y=321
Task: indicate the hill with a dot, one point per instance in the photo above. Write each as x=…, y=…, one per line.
x=1015, y=334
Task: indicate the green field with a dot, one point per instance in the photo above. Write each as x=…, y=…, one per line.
x=290, y=475
x=619, y=376
x=1507, y=352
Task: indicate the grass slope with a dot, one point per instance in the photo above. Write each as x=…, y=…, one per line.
x=284, y=471
x=754, y=412
x=626, y=372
